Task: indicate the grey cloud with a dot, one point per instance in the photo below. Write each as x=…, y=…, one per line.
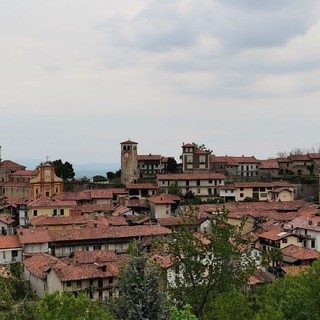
x=163, y=25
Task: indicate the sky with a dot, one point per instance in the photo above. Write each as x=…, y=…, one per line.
x=79, y=77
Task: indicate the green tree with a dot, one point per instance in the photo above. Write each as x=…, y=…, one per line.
x=140, y=295
x=183, y=314
x=99, y=178
x=172, y=165
x=207, y=266
x=64, y=306
x=174, y=189
x=232, y=305
x=63, y=170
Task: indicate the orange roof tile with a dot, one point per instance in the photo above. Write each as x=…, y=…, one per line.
x=45, y=202
x=11, y=165
x=8, y=242
x=149, y=157
x=164, y=199
x=300, y=253
x=24, y=173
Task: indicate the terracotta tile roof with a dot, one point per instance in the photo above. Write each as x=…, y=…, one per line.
x=30, y=236
x=56, y=221
x=142, y=186
x=87, y=257
x=149, y=157
x=120, y=210
x=314, y=156
x=9, y=242
x=189, y=145
x=91, y=208
x=101, y=194
x=259, y=277
x=119, y=190
x=294, y=270
x=229, y=161
x=7, y=219
x=24, y=173
x=45, y=202
x=280, y=189
x=191, y=176
x=299, y=157
x=40, y=264
x=229, y=186
x=163, y=261
x=275, y=235
x=304, y=223
x=164, y=199
x=108, y=233
x=176, y=221
x=300, y=253
x=263, y=184
x=11, y=165
x=116, y=221
x=269, y=164
x=137, y=203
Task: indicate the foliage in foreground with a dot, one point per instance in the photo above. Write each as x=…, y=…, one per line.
x=141, y=297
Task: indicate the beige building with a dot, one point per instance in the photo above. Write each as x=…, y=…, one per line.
x=50, y=207
x=203, y=185
x=46, y=183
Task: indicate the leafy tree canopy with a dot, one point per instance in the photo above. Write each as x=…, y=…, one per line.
x=99, y=178
x=207, y=265
x=141, y=297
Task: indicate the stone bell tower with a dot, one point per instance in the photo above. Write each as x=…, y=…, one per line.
x=129, y=162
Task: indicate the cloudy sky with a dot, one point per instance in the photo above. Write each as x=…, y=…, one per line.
x=79, y=77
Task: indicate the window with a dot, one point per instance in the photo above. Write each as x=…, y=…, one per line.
x=55, y=212
x=35, y=213
x=241, y=195
x=61, y=212
x=187, y=182
x=313, y=243
x=202, y=159
x=14, y=253
x=210, y=180
x=284, y=240
x=97, y=247
x=198, y=182
x=79, y=283
x=68, y=283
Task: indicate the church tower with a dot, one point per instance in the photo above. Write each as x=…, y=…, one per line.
x=129, y=162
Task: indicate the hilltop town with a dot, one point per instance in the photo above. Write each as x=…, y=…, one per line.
x=77, y=240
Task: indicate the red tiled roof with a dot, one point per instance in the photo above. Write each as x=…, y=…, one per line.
x=164, y=199
x=101, y=194
x=176, y=221
x=120, y=210
x=305, y=223
x=269, y=164
x=25, y=173
x=11, y=165
x=223, y=159
x=90, y=208
x=149, y=157
x=191, y=176
x=189, y=145
x=30, y=236
x=51, y=202
x=86, y=257
x=314, y=156
x=300, y=253
x=294, y=270
x=263, y=184
x=7, y=219
x=299, y=157
x=276, y=235
x=56, y=221
x=40, y=263
x=108, y=233
x=8, y=242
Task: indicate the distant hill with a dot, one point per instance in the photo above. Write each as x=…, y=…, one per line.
x=84, y=169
